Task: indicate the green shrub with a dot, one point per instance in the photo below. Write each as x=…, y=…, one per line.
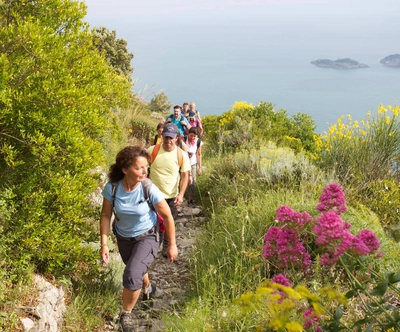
x=249, y=126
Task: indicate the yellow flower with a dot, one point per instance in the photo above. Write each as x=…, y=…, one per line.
x=276, y=323
x=334, y=295
x=293, y=327
x=304, y=292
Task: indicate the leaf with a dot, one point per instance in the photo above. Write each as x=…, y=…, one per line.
x=394, y=278
x=380, y=289
x=351, y=293
x=338, y=313
x=369, y=327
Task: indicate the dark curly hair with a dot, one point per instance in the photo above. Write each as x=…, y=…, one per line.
x=125, y=159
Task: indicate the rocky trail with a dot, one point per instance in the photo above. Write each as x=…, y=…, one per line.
x=171, y=279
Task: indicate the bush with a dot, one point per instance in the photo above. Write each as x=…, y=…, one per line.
x=365, y=157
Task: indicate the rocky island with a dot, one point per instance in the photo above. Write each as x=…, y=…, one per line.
x=339, y=63
x=392, y=60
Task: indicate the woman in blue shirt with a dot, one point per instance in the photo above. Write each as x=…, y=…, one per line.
x=134, y=226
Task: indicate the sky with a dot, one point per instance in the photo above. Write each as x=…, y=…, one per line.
x=370, y=19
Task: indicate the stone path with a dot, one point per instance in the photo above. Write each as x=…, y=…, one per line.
x=172, y=279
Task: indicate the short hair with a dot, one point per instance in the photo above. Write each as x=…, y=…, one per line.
x=194, y=130
x=184, y=104
x=177, y=106
x=125, y=159
x=160, y=125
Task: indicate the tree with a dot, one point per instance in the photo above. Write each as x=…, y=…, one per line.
x=115, y=51
x=56, y=97
x=159, y=103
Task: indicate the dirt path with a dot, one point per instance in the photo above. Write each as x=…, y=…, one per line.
x=172, y=279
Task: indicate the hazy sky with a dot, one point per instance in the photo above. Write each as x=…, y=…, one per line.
x=367, y=9
x=367, y=18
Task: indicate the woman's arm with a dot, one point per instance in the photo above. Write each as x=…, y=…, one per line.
x=105, y=221
x=163, y=209
x=198, y=156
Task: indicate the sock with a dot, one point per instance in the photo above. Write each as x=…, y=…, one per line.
x=148, y=289
x=125, y=311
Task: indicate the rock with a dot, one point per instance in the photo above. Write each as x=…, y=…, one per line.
x=27, y=324
x=392, y=60
x=339, y=64
x=50, y=310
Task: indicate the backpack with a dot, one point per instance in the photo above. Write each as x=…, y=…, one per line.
x=146, y=183
x=156, y=149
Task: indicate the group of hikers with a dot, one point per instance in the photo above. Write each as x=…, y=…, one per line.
x=144, y=201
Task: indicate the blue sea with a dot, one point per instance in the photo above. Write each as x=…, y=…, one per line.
x=215, y=63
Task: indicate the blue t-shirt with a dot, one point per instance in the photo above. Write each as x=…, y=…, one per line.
x=178, y=123
x=133, y=213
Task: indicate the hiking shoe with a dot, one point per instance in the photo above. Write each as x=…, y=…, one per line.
x=147, y=298
x=126, y=322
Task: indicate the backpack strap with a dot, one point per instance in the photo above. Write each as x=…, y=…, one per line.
x=146, y=183
x=154, y=153
x=114, y=186
x=198, y=143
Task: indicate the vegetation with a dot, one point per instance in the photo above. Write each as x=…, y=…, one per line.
x=251, y=196
x=115, y=51
x=63, y=111
x=275, y=188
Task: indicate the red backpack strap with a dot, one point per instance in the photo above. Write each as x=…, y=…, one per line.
x=154, y=153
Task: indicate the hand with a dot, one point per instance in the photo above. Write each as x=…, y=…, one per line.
x=178, y=200
x=105, y=254
x=190, y=180
x=172, y=252
x=199, y=171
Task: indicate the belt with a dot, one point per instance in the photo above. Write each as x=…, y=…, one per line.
x=151, y=231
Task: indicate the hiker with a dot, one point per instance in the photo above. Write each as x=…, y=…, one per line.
x=195, y=122
x=180, y=141
x=192, y=108
x=158, y=137
x=179, y=120
x=135, y=226
x=194, y=150
x=185, y=109
x=170, y=168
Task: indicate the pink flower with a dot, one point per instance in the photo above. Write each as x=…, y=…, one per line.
x=282, y=280
x=311, y=319
x=332, y=199
x=370, y=239
x=286, y=214
x=284, y=249
x=333, y=235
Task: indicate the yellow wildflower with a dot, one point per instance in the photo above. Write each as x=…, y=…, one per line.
x=304, y=292
x=293, y=327
x=276, y=323
x=334, y=295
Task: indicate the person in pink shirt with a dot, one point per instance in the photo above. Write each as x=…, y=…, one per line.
x=195, y=122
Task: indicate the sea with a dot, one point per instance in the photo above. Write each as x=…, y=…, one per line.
x=219, y=62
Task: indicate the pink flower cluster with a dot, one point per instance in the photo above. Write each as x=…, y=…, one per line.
x=311, y=320
x=333, y=233
x=284, y=248
x=332, y=199
x=282, y=280
x=286, y=214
